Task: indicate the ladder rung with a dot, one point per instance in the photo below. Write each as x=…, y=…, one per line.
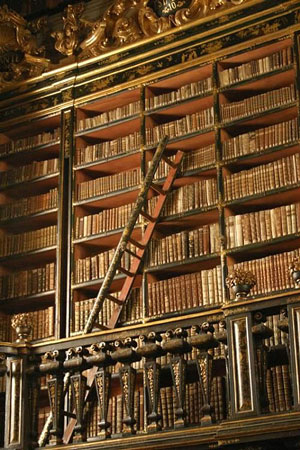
x=69, y=414
x=157, y=188
x=126, y=272
x=114, y=299
x=136, y=243
x=147, y=216
x=132, y=253
x=100, y=326
x=169, y=162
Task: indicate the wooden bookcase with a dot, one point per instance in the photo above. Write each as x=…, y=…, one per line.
x=234, y=205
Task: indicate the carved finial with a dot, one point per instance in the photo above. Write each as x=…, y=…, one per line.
x=22, y=325
x=241, y=281
x=67, y=41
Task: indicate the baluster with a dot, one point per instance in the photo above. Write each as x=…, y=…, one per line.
x=52, y=364
x=32, y=373
x=150, y=351
x=177, y=346
x=76, y=364
x=99, y=356
x=126, y=355
x=204, y=340
x=260, y=332
x=222, y=337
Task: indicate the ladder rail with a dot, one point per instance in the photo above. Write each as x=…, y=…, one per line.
x=115, y=262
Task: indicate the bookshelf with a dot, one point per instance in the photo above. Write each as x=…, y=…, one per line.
x=29, y=191
x=234, y=205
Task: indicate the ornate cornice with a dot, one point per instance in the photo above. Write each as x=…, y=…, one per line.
x=129, y=21
x=20, y=55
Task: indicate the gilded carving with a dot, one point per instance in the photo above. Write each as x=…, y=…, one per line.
x=128, y=21
x=66, y=41
x=20, y=55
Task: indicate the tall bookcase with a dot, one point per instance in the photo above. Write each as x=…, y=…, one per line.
x=69, y=179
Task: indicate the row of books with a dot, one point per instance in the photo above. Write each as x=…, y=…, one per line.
x=42, y=324
x=116, y=414
x=29, y=172
x=133, y=310
x=29, y=142
x=189, y=197
x=184, y=245
x=276, y=174
x=271, y=272
x=260, y=226
x=185, y=292
x=182, y=93
x=167, y=407
x=188, y=124
x=278, y=381
x=28, y=282
x=256, y=67
x=103, y=185
x=109, y=116
x=14, y=244
x=106, y=220
x=262, y=139
x=29, y=205
x=258, y=103
x=279, y=391
x=195, y=159
x=193, y=403
x=102, y=150
x=174, y=294
x=186, y=198
x=95, y=267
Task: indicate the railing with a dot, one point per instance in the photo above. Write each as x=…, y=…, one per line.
x=243, y=362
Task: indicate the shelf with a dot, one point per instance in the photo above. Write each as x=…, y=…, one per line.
x=263, y=156
x=264, y=118
x=275, y=245
x=121, y=197
x=130, y=159
x=190, y=218
x=98, y=131
x=20, y=304
x=107, y=239
x=201, y=101
x=92, y=287
x=41, y=218
x=275, y=78
x=49, y=181
x=190, y=141
x=50, y=149
x=42, y=255
x=192, y=265
x=111, y=131
x=275, y=197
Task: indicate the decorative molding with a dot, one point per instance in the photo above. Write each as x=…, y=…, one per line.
x=67, y=41
x=20, y=55
x=129, y=21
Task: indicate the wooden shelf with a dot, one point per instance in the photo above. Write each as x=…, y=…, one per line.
x=40, y=256
x=191, y=265
x=129, y=159
x=275, y=78
x=273, y=197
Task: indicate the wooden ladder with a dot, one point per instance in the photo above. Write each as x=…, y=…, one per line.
x=126, y=238
x=137, y=256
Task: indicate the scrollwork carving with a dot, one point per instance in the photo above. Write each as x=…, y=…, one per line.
x=20, y=55
x=67, y=41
